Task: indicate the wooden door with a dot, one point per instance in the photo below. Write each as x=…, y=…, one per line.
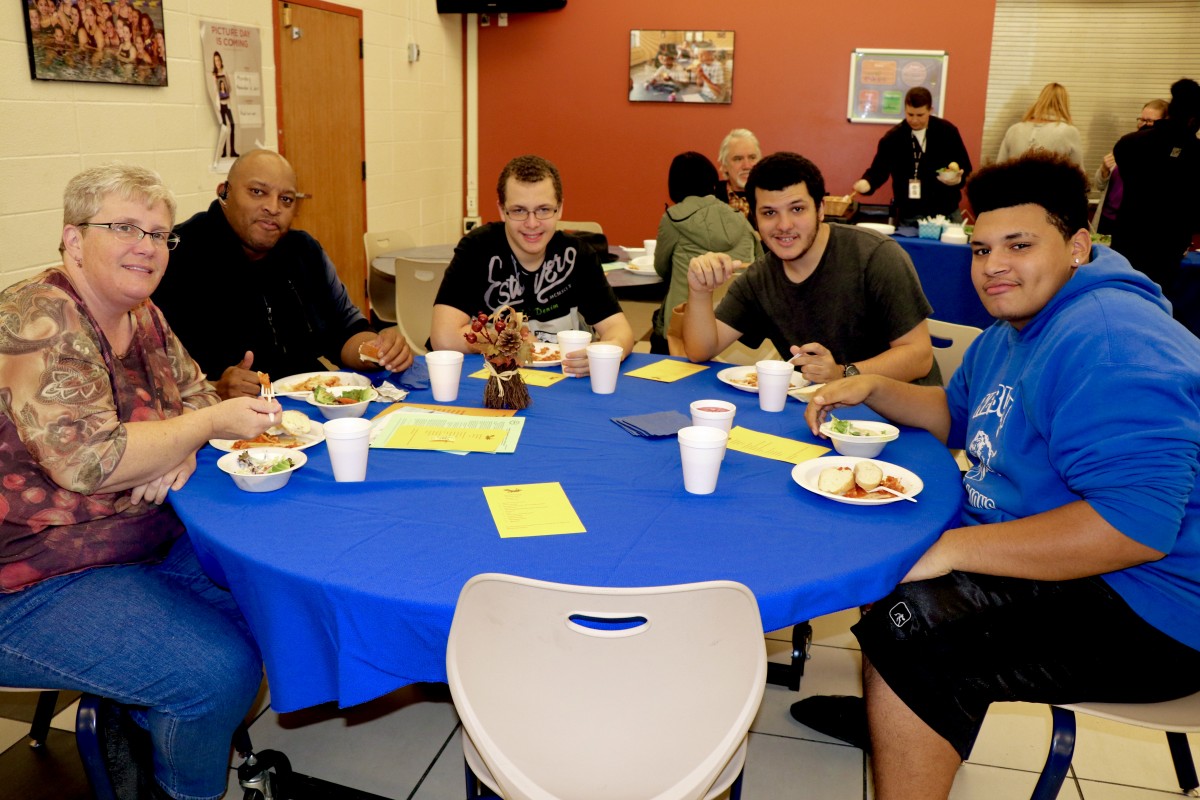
x=319, y=83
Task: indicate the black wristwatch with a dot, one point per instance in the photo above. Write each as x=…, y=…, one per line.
x=849, y=371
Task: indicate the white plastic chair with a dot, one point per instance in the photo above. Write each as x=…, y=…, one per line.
x=381, y=287
x=417, y=283
x=1176, y=718
x=586, y=226
x=595, y=693
x=949, y=358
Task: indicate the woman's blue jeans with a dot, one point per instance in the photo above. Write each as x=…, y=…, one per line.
x=162, y=636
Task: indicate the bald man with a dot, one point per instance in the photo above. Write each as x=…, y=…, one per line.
x=245, y=292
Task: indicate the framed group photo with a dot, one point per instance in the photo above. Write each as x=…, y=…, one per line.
x=96, y=41
x=681, y=66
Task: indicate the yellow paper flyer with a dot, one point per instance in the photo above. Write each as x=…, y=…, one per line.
x=767, y=445
x=532, y=509
x=666, y=371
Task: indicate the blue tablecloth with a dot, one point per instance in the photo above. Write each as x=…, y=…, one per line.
x=350, y=588
x=945, y=273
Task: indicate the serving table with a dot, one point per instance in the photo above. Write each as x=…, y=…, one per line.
x=349, y=588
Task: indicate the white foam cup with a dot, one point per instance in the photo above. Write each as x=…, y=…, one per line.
x=348, y=440
x=713, y=414
x=774, y=381
x=445, y=370
x=573, y=341
x=604, y=364
x=650, y=245
x=701, y=450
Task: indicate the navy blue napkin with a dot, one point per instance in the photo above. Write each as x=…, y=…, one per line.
x=415, y=377
x=654, y=426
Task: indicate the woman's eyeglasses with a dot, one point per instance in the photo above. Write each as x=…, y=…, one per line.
x=132, y=233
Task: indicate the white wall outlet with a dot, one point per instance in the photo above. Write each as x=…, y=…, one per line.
x=414, y=52
x=485, y=20
x=470, y=223
x=502, y=19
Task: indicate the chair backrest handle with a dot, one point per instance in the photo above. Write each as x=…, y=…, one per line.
x=609, y=626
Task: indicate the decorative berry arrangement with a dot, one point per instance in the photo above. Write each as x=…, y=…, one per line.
x=503, y=340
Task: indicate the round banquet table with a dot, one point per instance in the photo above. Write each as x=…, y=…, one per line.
x=350, y=588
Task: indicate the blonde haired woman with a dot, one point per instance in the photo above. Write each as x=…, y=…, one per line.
x=1045, y=126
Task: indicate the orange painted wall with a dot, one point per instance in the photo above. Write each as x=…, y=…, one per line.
x=557, y=84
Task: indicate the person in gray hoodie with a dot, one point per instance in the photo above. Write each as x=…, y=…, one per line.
x=696, y=223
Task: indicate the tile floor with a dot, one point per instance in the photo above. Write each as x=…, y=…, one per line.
x=406, y=745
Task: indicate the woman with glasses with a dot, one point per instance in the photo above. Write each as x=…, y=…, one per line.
x=101, y=413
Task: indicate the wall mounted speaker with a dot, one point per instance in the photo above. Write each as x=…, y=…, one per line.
x=497, y=6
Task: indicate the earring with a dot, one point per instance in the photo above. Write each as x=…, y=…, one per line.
x=1077, y=262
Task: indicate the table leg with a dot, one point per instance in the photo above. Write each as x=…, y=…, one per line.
x=789, y=674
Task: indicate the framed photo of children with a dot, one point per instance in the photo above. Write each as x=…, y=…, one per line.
x=879, y=79
x=96, y=41
x=681, y=66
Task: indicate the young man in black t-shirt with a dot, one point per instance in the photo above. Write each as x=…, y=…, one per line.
x=523, y=262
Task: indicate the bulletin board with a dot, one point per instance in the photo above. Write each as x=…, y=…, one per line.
x=879, y=80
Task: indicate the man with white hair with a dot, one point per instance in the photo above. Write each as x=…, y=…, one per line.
x=738, y=154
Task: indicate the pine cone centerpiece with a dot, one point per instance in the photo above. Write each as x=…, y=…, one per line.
x=501, y=338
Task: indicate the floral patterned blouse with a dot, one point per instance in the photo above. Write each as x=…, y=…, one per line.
x=64, y=400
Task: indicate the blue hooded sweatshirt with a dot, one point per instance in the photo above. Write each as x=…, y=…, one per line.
x=1097, y=398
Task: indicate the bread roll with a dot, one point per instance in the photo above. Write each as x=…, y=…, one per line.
x=295, y=423
x=835, y=480
x=868, y=475
x=368, y=352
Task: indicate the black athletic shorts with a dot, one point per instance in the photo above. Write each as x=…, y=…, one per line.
x=950, y=646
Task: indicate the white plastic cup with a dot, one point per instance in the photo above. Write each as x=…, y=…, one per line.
x=604, y=364
x=774, y=381
x=713, y=414
x=572, y=341
x=701, y=450
x=348, y=440
x=650, y=245
x=445, y=370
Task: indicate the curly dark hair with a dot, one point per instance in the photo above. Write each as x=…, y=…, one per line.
x=529, y=169
x=1039, y=178
x=778, y=171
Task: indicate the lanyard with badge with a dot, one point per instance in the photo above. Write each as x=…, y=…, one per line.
x=914, y=183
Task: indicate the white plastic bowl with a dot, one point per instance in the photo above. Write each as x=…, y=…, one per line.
x=341, y=411
x=862, y=446
x=262, y=483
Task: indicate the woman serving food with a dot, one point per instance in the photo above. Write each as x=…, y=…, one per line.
x=101, y=413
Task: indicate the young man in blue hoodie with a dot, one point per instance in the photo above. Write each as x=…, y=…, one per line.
x=1080, y=408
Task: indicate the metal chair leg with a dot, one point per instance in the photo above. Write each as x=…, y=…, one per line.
x=735, y=788
x=89, y=738
x=43, y=714
x=1058, y=760
x=1181, y=756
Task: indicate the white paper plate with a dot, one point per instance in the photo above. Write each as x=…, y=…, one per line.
x=736, y=377
x=807, y=473
x=642, y=265
x=316, y=435
x=886, y=230
x=290, y=386
x=551, y=357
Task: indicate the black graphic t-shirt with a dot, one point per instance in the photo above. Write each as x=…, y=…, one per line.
x=568, y=292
